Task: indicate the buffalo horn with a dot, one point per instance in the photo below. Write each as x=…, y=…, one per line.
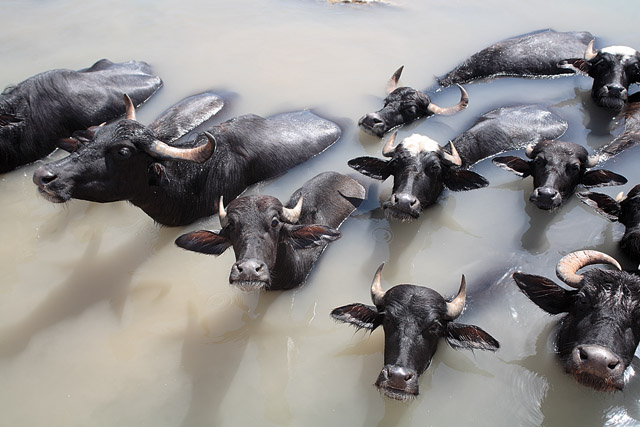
x=222, y=213
x=293, y=215
x=620, y=197
x=567, y=267
x=392, y=84
x=454, y=157
x=592, y=160
x=454, y=308
x=464, y=101
x=529, y=151
x=129, y=108
x=377, y=294
x=590, y=54
x=163, y=151
x=389, y=147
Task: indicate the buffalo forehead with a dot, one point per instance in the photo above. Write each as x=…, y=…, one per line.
x=412, y=300
x=611, y=288
x=416, y=144
x=624, y=51
x=254, y=204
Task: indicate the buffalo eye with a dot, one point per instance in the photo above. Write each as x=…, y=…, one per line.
x=434, y=328
x=434, y=167
x=274, y=222
x=582, y=301
x=124, y=152
x=539, y=161
x=573, y=167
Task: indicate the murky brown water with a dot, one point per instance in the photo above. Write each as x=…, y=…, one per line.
x=105, y=322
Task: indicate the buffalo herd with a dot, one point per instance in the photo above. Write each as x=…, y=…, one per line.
x=178, y=169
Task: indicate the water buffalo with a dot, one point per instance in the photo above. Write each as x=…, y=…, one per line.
x=613, y=69
x=530, y=55
x=630, y=137
x=404, y=105
x=180, y=183
x=414, y=318
x=37, y=112
x=557, y=167
x=600, y=330
x=421, y=168
x=276, y=246
x=625, y=210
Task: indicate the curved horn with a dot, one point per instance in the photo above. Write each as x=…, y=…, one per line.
x=222, y=213
x=620, y=197
x=590, y=54
x=464, y=101
x=454, y=308
x=377, y=294
x=529, y=151
x=592, y=160
x=392, y=84
x=454, y=157
x=163, y=151
x=293, y=215
x=567, y=267
x=129, y=108
x=389, y=147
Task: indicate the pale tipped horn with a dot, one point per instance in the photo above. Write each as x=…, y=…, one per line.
x=454, y=157
x=592, y=160
x=455, y=307
x=464, y=101
x=392, y=84
x=389, y=147
x=589, y=53
x=163, y=151
x=529, y=151
x=620, y=197
x=222, y=213
x=567, y=267
x=293, y=215
x=377, y=294
x=129, y=108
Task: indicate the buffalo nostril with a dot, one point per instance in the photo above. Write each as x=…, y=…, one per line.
x=613, y=364
x=394, y=199
x=408, y=377
x=43, y=176
x=413, y=202
x=583, y=355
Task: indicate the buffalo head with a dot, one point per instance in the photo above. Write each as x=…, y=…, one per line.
x=613, y=69
x=557, y=167
x=414, y=319
x=403, y=105
x=263, y=234
x=420, y=169
x=600, y=330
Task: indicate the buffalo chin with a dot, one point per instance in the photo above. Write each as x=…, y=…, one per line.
x=52, y=197
x=608, y=385
x=250, y=285
x=402, y=395
x=400, y=215
x=611, y=102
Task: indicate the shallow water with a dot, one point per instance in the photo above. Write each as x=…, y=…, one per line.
x=104, y=321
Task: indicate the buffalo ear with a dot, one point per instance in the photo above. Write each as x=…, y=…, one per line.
x=204, y=241
x=544, y=293
x=462, y=180
x=359, y=315
x=603, y=204
x=8, y=119
x=68, y=144
x=308, y=236
x=372, y=167
x=470, y=337
x=578, y=65
x=513, y=164
x=157, y=175
x=601, y=178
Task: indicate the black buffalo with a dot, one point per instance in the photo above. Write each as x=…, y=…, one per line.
x=630, y=137
x=600, y=329
x=37, y=112
x=276, y=245
x=414, y=319
x=625, y=210
x=536, y=54
x=404, y=105
x=421, y=168
x=613, y=69
x=180, y=183
x=557, y=168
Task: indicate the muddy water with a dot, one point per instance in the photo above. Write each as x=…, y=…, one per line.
x=105, y=322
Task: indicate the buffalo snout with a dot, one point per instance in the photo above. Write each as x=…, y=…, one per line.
x=546, y=198
x=597, y=366
x=398, y=382
x=373, y=123
x=46, y=180
x=249, y=274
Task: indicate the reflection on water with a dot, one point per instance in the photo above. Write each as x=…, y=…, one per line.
x=104, y=321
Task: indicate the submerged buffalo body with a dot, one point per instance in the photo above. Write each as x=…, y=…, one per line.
x=557, y=168
x=600, y=329
x=530, y=55
x=613, y=69
x=623, y=209
x=414, y=319
x=421, y=168
x=181, y=183
x=404, y=105
x=276, y=245
x=37, y=112
x=630, y=137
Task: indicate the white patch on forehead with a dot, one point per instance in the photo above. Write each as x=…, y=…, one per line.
x=417, y=143
x=624, y=51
